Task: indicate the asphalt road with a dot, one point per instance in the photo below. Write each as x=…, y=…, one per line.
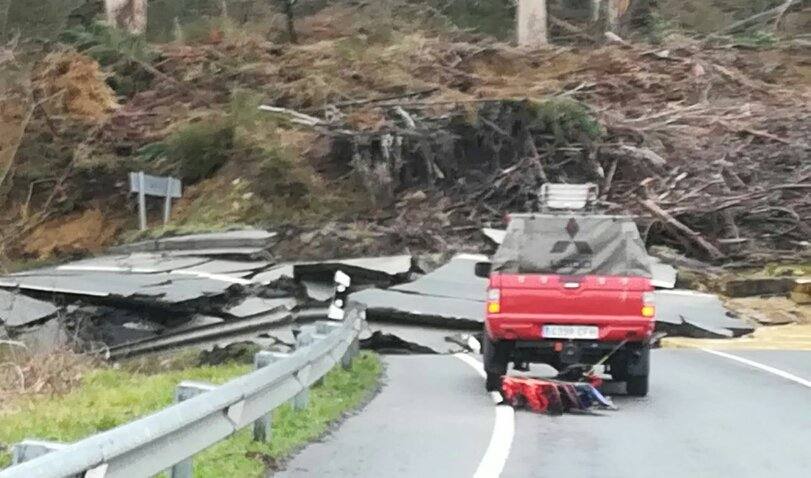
x=706, y=415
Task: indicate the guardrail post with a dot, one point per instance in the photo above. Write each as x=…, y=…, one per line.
x=29, y=449
x=262, y=427
x=355, y=347
x=346, y=359
x=185, y=390
x=304, y=339
x=322, y=329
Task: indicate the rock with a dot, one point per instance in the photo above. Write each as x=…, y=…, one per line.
x=801, y=293
x=44, y=338
x=239, y=352
x=758, y=286
x=766, y=311
x=391, y=344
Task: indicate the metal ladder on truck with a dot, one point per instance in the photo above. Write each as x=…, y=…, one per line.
x=570, y=197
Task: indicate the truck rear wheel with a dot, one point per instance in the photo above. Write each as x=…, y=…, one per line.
x=637, y=386
x=496, y=358
x=636, y=363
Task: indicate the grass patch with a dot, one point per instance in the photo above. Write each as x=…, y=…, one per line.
x=342, y=391
x=110, y=397
x=199, y=149
x=568, y=120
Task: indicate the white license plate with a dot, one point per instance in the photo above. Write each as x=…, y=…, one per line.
x=584, y=332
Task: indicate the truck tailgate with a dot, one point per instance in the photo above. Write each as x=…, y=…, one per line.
x=573, y=299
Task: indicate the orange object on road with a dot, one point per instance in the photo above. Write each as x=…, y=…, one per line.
x=553, y=396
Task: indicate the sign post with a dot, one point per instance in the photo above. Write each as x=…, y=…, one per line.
x=145, y=185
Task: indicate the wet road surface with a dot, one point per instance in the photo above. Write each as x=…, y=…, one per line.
x=706, y=415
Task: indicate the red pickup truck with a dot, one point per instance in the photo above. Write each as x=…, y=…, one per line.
x=567, y=290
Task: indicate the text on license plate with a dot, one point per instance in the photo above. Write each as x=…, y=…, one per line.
x=570, y=331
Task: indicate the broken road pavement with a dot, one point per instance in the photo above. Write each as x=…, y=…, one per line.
x=163, y=288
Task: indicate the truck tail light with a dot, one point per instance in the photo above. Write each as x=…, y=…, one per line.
x=648, y=309
x=493, y=301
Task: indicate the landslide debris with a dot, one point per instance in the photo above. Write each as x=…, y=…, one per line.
x=70, y=83
x=401, y=135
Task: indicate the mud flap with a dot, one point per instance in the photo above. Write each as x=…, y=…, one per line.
x=639, y=362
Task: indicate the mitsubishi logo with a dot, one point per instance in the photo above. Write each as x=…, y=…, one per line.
x=580, y=246
x=572, y=228
x=583, y=251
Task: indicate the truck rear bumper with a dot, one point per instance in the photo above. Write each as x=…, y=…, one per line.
x=631, y=358
x=611, y=329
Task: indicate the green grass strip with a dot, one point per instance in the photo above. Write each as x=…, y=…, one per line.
x=108, y=398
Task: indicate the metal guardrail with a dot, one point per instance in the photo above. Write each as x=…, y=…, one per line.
x=203, y=415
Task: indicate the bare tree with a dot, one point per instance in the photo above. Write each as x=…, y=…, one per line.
x=5, y=5
x=287, y=7
x=129, y=15
x=614, y=10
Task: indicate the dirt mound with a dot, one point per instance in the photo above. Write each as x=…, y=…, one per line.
x=78, y=233
x=73, y=84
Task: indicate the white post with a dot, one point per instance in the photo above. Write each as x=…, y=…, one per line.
x=167, y=206
x=532, y=23
x=142, y=200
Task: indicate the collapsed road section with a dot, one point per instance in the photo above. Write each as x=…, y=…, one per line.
x=157, y=288
x=451, y=296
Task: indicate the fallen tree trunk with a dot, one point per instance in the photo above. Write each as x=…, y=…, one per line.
x=692, y=235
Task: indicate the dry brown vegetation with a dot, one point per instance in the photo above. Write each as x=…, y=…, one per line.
x=27, y=374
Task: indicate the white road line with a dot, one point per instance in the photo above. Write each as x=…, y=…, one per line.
x=209, y=275
x=477, y=366
x=495, y=457
x=765, y=368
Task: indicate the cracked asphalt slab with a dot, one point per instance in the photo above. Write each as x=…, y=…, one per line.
x=706, y=415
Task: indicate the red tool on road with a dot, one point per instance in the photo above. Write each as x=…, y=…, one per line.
x=553, y=396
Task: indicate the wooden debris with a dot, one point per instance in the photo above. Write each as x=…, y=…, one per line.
x=692, y=235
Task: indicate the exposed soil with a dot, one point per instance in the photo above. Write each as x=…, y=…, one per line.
x=78, y=233
x=73, y=84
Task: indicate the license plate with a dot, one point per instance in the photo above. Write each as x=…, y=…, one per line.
x=583, y=332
